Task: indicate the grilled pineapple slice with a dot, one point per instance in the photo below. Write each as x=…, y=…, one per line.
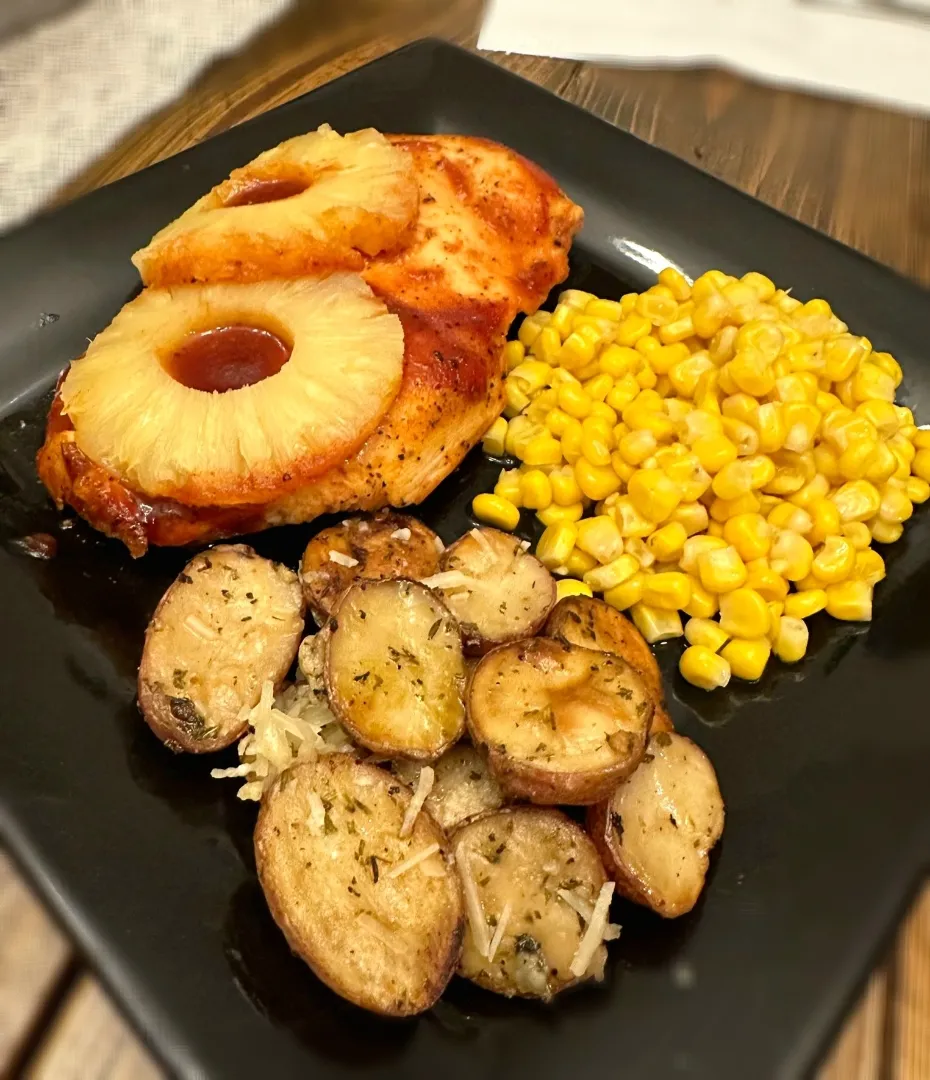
x=316, y=201
x=166, y=439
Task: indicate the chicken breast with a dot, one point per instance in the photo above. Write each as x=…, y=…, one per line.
x=492, y=238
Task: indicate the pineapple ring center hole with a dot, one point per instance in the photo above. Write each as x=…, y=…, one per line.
x=227, y=358
x=266, y=191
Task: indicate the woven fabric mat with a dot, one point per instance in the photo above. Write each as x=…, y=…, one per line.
x=71, y=87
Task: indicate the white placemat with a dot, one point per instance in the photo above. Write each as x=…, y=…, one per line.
x=871, y=49
x=71, y=87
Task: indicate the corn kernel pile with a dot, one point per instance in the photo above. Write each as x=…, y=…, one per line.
x=718, y=449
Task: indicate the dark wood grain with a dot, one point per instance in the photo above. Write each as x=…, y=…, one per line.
x=861, y=174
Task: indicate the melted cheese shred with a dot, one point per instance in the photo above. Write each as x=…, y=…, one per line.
x=594, y=934
x=476, y=919
x=414, y=860
x=499, y=931
x=424, y=787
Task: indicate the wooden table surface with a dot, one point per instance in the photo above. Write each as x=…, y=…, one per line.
x=859, y=173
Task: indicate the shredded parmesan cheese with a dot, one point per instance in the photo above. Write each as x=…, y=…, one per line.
x=340, y=559
x=594, y=932
x=525, y=544
x=424, y=787
x=296, y=726
x=317, y=818
x=476, y=919
x=440, y=546
x=482, y=541
x=585, y=910
x=414, y=860
x=401, y=534
x=199, y=628
x=499, y=931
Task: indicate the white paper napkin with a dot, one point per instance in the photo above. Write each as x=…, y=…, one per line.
x=70, y=88
x=871, y=49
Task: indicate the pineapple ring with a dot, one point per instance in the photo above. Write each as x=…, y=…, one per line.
x=167, y=440
x=318, y=201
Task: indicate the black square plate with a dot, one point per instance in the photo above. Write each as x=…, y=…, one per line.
x=148, y=862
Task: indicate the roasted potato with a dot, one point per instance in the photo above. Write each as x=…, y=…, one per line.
x=559, y=723
x=657, y=828
x=387, y=545
x=581, y=620
x=463, y=786
x=494, y=587
x=528, y=872
x=395, y=670
x=378, y=918
x=230, y=622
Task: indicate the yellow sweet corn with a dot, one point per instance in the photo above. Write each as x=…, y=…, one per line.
x=666, y=544
x=771, y=586
x=554, y=514
x=750, y=534
x=612, y=574
x=653, y=494
x=721, y=510
x=630, y=592
x=671, y=590
x=535, y=490
x=732, y=481
x=493, y=441
x=895, y=506
x=570, y=587
x=692, y=515
x=791, y=639
x=707, y=633
x=574, y=400
x=704, y=668
x=721, y=569
x=850, y=600
x=869, y=567
x=791, y=555
x=547, y=346
x=508, y=486
x=742, y=434
x=565, y=489
x=918, y=491
x=747, y=657
x=702, y=604
x=788, y=516
x=656, y=624
x=806, y=602
x=834, y=561
x=576, y=298
x=579, y=563
x=857, y=500
x=493, y=510
x=695, y=546
x=600, y=537
x=596, y=481
x=857, y=533
x=714, y=451
x=676, y=283
x=556, y=544
x=744, y=613
x=886, y=532
x=542, y=449
x=629, y=520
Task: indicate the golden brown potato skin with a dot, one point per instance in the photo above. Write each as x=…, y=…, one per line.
x=678, y=816
x=582, y=620
x=379, y=555
x=492, y=238
x=496, y=706
x=191, y=691
x=319, y=889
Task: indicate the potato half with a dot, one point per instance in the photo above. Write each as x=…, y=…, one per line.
x=463, y=786
x=582, y=620
x=527, y=872
x=657, y=828
x=496, y=589
x=230, y=622
x=378, y=918
x=395, y=670
x=387, y=545
x=559, y=723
